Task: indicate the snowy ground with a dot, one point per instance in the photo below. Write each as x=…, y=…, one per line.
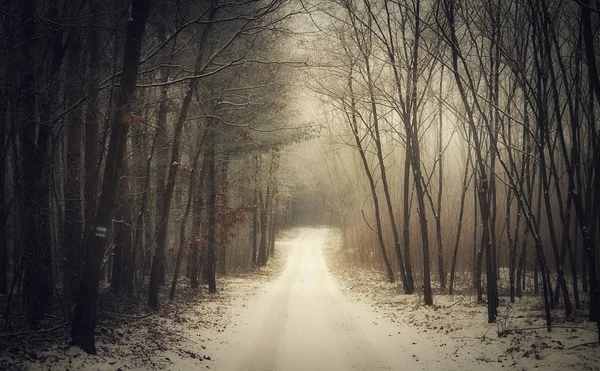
x=182, y=336
x=308, y=310
x=454, y=333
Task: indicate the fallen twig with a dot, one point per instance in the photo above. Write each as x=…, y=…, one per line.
x=544, y=328
x=584, y=344
x=40, y=331
x=126, y=315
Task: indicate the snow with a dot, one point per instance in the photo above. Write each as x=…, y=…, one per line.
x=309, y=310
x=454, y=334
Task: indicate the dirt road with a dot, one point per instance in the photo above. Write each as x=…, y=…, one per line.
x=303, y=322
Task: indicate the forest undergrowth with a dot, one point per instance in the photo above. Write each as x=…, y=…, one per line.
x=518, y=340
x=179, y=336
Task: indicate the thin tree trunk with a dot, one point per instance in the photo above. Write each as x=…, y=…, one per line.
x=222, y=266
x=354, y=126
x=377, y=139
x=274, y=223
x=212, y=216
x=463, y=194
x=186, y=213
x=438, y=223
x=255, y=226
x=482, y=168
x=197, y=224
x=4, y=209
x=92, y=122
x=407, y=274
x=142, y=220
x=264, y=233
x=529, y=177
x=158, y=261
x=412, y=134
x=476, y=271
x=406, y=220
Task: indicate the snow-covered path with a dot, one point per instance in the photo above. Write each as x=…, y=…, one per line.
x=304, y=322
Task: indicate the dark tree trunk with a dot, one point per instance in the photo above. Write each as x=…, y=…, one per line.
x=212, y=216
x=197, y=224
x=590, y=53
x=530, y=176
x=408, y=281
x=37, y=261
x=438, y=214
x=375, y=133
x=123, y=243
x=584, y=224
x=91, y=123
x=482, y=177
x=73, y=222
x=142, y=220
x=273, y=228
x=255, y=226
x=543, y=138
x=514, y=269
x=84, y=318
x=354, y=127
x=4, y=210
x=158, y=261
x=139, y=182
x=186, y=213
x=222, y=266
x=162, y=148
x=406, y=220
x=476, y=272
x=463, y=194
x=264, y=233
x=412, y=140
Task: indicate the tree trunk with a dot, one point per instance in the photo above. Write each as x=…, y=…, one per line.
x=73, y=226
x=411, y=127
x=197, y=224
x=354, y=126
x=264, y=233
x=408, y=282
x=438, y=214
x=377, y=139
x=273, y=228
x=4, y=210
x=212, y=216
x=463, y=194
x=92, y=121
x=406, y=220
x=123, y=244
x=254, y=257
x=84, y=318
x=37, y=278
x=530, y=175
x=476, y=272
x=482, y=177
x=186, y=213
x=158, y=261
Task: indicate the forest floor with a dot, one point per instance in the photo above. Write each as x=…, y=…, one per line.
x=457, y=326
x=179, y=337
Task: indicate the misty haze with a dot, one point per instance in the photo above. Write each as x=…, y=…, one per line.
x=299, y=185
